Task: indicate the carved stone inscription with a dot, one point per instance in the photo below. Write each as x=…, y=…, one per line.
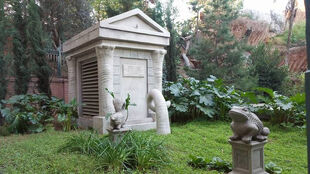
x=137, y=71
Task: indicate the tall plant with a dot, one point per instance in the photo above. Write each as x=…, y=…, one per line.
x=3, y=56
x=172, y=51
x=36, y=37
x=20, y=58
x=219, y=52
x=265, y=65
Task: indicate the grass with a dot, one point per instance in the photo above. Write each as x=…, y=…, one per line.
x=37, y=153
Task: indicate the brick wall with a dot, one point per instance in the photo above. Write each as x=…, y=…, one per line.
x=59, y=87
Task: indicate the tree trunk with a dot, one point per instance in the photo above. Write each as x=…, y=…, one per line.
x=291, y=22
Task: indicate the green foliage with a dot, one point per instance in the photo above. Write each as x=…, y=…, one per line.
x=31, y=113
x=4, y=131
x=106, y=8
x=36, y=38
x=21, y=61
x=215, y=164
x=220, y=53
x=298, y=35
x=27, y=113
x=287, y=111
x=265, y=64
x=293, y=84
x=134, y=151
x=67, y=114
x=172, y=50
x=272, y=168
x=194, y=98
x=3, y=57
x=64, y=18
x=286, y=147
x=197, y=161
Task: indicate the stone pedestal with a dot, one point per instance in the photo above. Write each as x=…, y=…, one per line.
x=248, y=158
x=116, y=135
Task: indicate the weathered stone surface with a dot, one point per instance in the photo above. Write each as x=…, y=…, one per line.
x=118, y=119
x=158, y=104
x=116, y=135
x=248, y=158
x=246, y=126
x=129, y=49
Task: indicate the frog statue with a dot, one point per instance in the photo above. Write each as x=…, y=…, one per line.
x=118, y=119
x=246, y=126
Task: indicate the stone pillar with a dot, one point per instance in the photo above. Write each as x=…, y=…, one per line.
x=105, y=55
x=248, y=158
x=157, y=60
x=71, y=63
x=105, y=78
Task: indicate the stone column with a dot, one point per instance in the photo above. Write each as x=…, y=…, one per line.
x=248, y=158
x=71, y=63
x=157, y=60
x=105, y=78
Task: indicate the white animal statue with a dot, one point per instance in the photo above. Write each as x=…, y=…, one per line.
x=157, y=103
x=118, y=119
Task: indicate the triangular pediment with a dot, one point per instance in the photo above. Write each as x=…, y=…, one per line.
x=134, y=21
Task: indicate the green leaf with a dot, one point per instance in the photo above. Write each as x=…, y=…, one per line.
x=206, y=100
x=207, y=111
x=180, y=107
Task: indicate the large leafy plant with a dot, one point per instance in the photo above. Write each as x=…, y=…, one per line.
x=66, y=113
x=193, y=98
x=27, y=113
x=287, y=111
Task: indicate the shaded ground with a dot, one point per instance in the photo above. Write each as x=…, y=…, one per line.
x=37, y=153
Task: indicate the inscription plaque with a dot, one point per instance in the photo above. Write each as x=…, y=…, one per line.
x=133, y=71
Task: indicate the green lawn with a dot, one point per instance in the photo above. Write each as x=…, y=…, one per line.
x=37, y=153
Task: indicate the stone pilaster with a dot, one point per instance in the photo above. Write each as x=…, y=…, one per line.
x=158, y=59
x=71, y=63
x=105, y=78
x=248, y=158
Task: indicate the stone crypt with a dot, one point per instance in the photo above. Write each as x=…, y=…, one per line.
x=123, y=54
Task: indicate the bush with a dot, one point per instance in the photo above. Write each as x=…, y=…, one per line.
x=191, y=98
x=215, y=164
x=4, y=131
x=27, y=113
x=67, y=114
x=287, y=111
x=265, y=64
x=30, y=113
x=134, y=152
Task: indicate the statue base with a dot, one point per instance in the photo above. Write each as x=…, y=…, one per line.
x=248, y=158
x=116, y=135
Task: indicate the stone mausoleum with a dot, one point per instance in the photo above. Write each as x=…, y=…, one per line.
x=124, y=54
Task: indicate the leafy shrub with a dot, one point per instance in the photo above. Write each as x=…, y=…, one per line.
x=30, y=113
x=215, y=164
x=135, y=151
x=27, y=113
x=67, y=114
x=272, y=168
x=4, y=131
x=265, y=64
x=288, y=111
x=193, y=98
